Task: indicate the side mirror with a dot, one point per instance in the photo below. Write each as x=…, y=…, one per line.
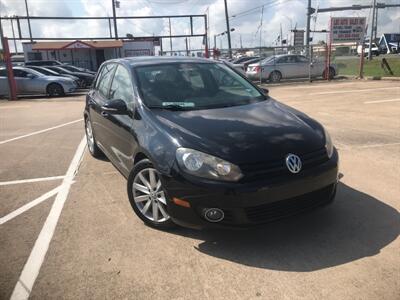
x=30, y=76
x=265, y=91
x=115, y=107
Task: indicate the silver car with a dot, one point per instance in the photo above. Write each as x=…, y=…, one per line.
x=288, y=66
x=30, y=82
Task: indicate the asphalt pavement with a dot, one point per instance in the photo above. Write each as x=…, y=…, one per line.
x=84, y=242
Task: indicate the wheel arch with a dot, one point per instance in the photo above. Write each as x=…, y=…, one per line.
x=139, y=156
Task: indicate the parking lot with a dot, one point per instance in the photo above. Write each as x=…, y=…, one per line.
x=67, y=230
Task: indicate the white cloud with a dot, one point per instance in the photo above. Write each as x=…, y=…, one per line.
x=277, y=13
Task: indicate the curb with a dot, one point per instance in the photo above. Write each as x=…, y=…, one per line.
x=372, y=77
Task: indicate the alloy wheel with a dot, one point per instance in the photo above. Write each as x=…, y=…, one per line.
x=89, y=136
x=149, y=196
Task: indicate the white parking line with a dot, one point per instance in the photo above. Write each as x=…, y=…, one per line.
x=355, y=91
x=382, y=101
x=38, y=132
x=14, y=106
x=32, y=267
x=29, y=205
x=31, y=180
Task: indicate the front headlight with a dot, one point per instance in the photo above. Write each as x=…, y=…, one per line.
x=203, y=165
x=328, y=144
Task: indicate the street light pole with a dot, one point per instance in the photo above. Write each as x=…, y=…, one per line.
x=308, y=28
x=115, y=19
x=228, y=30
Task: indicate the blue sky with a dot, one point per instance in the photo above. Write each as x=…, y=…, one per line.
x=277, y=13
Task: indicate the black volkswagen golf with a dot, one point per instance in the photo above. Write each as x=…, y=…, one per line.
x=201, y=146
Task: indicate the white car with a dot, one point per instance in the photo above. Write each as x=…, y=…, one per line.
x=288, y=66
x=30, y=82
x=374, y=49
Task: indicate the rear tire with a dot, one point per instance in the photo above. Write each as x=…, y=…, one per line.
x=55, y=89
x=275, y=76
x=148, y=197
x=94, y=150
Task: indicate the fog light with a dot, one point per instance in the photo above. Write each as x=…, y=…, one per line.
x=213, y=214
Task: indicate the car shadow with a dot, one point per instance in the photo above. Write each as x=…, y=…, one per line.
x=356, y=225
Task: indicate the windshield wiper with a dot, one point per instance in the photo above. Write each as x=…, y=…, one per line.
x=170, y=107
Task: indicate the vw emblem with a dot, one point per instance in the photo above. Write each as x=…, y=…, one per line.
x=293, y=163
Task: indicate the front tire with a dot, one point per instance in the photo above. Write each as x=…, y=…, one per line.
x=147, y=196
x=55, y=89
x=94, y=150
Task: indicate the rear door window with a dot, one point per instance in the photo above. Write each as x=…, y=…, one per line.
x=282, y=60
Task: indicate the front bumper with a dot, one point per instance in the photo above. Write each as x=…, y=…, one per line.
x=249, y=204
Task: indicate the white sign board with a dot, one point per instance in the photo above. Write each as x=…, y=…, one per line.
x=347, y=29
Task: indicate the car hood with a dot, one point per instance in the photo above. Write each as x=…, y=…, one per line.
x=248, y=133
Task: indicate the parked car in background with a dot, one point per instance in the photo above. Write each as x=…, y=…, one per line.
x=202, y=146
x=237, y=67
x=43, y=63
x=243, y=59
x=29, y=81
x=49, y=72
x=86, y=78
x=375, y=50
x=288, y=66
x=243, y=65
x=77, y=69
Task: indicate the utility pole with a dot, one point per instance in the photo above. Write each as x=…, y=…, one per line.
x=228, y=30
x=308, y=28
x=241, y=44
x=115, y=19
x=372, y=31
x=376, y=22
x=29, y=21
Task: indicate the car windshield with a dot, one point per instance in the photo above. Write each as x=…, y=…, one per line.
x=71, y=68
x=190, y=86
x=34, y=72
x=46, y=72
x=268, y=60
x=63, y=70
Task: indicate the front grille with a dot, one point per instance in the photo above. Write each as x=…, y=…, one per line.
x=277, y=169
x=280, y=209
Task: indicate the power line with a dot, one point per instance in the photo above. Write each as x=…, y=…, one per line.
x=254, y=9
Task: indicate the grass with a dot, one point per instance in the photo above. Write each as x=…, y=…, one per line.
x=371, y=68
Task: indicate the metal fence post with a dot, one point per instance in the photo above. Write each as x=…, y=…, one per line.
x=10, y=74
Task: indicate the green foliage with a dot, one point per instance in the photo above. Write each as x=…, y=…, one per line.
x=351, y=66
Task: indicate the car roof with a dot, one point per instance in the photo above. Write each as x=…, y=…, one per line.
x=155, y=60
